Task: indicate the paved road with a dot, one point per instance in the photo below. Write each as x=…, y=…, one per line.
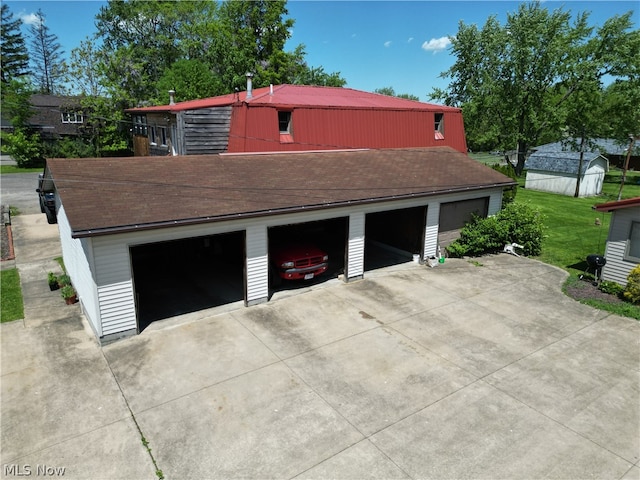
x=19, y=190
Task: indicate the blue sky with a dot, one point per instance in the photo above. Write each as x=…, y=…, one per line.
x=373, y=44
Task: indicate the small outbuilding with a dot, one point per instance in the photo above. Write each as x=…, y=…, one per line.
x=145, y=239
x=623, y=243
x=559, y=172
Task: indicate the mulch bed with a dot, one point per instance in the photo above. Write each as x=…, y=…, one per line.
x=6, y=241
x=585, y=290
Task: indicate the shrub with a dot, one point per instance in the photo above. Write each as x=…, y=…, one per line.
x=24, y=148
x=517, y=222
x=632, y=292
x=611, y=288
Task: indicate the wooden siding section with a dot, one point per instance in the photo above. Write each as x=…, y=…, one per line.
x=255, y=129
x=205, y=130
x=617, y=268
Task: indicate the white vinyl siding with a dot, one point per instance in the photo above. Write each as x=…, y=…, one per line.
x=432, y=228
x=115, y=286
x=619, y=264
x=495, y=203
x=355, y=246
x=257, y=265
x=109, y=299
x=78, y=255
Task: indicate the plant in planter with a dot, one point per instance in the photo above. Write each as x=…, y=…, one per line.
x=69, y=294
x=64, y=280
x=53, y=281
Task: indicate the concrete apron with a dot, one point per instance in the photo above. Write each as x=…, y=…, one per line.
x=62, y=411
x=457, y=371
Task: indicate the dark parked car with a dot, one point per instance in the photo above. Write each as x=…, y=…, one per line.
x=47, y=201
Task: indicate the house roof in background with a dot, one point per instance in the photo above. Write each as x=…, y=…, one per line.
x=290, y=96
x=600, y=145
x=562, y=162
x=611, y=206
x=109, y=195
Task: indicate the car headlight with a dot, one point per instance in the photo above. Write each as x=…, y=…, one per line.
x=286, y=264
x=325, y=258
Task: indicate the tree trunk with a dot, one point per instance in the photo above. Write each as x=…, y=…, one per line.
x=522, y=156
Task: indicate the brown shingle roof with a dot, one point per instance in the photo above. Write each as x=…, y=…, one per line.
x=108, y=195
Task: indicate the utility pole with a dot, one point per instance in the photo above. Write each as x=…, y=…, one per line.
x=577, y=193
x=626, y=163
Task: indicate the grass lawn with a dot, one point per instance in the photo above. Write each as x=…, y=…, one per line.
x=575, y=230
x=14, y=169
x=11, y=300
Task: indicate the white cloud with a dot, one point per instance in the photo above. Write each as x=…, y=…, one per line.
x=410, y=40
x=436, y=44
x=29, y=19
x=387, y=43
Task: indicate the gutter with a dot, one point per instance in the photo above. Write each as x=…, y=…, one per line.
x=267, y=213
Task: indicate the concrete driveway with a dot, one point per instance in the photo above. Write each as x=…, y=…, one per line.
x=459, y=371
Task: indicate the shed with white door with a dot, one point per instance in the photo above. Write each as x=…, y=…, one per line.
x=200, y=227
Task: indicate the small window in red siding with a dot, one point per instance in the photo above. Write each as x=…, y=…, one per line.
x=284, y=125
x=439, y=126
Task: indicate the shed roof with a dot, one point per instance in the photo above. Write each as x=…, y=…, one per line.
x=562, y=162
x=109, y=195
x=290, y=96
x=600, y=145
x=611, y=206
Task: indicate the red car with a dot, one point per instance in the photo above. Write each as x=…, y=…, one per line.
x=298, y=261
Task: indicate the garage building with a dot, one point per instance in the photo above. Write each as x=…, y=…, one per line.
x=139, y=227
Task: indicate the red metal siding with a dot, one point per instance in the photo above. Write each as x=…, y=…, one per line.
x=255, y=129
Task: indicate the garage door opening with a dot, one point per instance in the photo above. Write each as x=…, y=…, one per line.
x=393, y=237
x=182, y=276
x=319, y=238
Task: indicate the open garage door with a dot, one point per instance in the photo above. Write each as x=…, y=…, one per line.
x=394, y=236
x=304, y=245
x=454, y=215
x=182, y=276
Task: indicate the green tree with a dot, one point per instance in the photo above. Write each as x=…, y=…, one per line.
x=190, y=79
x=141, y=40
x=16, y=106
x=14, y=57
x=511, y=80
x=389, y=91
x=85, y=67
x=47, y=59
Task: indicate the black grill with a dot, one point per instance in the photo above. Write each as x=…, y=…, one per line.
x=595, y=263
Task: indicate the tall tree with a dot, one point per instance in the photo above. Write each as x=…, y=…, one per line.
x=47, y=57
x=511, y=79
x=390, y=91
x=85, y=68
x=14, y=57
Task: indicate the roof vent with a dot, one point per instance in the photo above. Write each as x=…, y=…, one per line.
x=172, y=97
x=249, y=76
x=271, y=89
